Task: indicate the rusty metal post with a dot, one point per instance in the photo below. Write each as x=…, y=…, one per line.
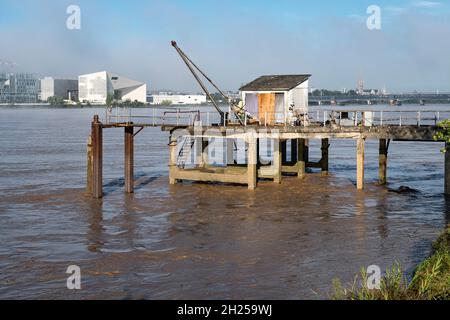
x=97, y=161
x=129, y=159
x=89, y=168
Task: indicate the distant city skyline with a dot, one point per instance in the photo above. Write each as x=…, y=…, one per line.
x=233, y=42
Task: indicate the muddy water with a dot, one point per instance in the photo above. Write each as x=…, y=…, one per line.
x=197, y=240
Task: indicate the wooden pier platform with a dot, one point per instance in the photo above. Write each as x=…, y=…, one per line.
x=192, y=142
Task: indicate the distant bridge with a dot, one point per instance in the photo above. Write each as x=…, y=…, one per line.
x=381, y=99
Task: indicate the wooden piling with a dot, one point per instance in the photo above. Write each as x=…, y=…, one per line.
x=198, y=150
x=252, y=170
x=382, y=159
x=129, y=159
x=97, y=160
x=172, y=159
x=284, y=152
x=360, y=164
x=230, y=151
x=277, y=161
x=447, y=170
x=324, y=160
x=205, y=151
x=306, y=151
x=89, y=166
x=301, y=163
x=294, y=151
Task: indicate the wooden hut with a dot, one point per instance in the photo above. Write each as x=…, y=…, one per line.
x=276, y=99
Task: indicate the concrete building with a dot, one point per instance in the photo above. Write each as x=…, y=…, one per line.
x=18, y=88
x=277, y=98
x=177, y=99
x=96, y=87
x=61, y=88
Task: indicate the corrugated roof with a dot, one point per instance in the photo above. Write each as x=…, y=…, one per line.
x=276, y=82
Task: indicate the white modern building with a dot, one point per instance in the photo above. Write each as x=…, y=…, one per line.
x=96, y=87
x=61, y=88
x=177, y=99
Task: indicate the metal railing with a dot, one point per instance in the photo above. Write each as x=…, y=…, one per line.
x=322, y=117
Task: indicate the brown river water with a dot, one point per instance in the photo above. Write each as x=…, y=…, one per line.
x=196, y=240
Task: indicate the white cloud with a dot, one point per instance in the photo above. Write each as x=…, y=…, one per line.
x=395, y=10
x=427, y=4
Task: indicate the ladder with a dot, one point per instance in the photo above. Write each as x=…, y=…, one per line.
x=185, y=151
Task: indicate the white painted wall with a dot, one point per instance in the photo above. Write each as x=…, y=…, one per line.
x=93, y=87
x=138, y=94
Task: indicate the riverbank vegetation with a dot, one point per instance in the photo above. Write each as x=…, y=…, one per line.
x=430, y=280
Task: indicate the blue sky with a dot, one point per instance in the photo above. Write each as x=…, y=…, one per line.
x=234, y=41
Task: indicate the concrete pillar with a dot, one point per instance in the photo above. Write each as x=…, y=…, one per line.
x=198, y=147
x=324, y=160
x=277, y=160
x=360, y=164
x=205, y=152
x=301, y=163
x=90, y=159
x=252, y=170
x=230, y=151
x=129, y=159
x=383, y=155
x=172, y=159
x=97, y=161
x=447, y=170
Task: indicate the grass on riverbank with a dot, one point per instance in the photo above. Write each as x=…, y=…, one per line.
x=431, y=279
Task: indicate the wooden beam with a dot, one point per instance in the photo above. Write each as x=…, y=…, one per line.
x=306, y=151
x=360, y=164
x=294, y=151
x=205, y=151
x=324, y=160
x=382, y=160
x=284, y=152
x=173, y=141
x=230, y=151
x=198, y=147
x=301, y=163
x=97, y=161
x=129, y=159
x=252, y=171
x=277, y=161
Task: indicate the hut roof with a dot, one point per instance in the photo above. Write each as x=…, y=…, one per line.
x=276, y=82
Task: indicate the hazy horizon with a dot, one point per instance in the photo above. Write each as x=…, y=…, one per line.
x=234, y=42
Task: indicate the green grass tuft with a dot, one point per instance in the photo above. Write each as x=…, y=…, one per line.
x=431, y=279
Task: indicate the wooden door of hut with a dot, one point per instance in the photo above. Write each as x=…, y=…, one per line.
x=266, y=108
